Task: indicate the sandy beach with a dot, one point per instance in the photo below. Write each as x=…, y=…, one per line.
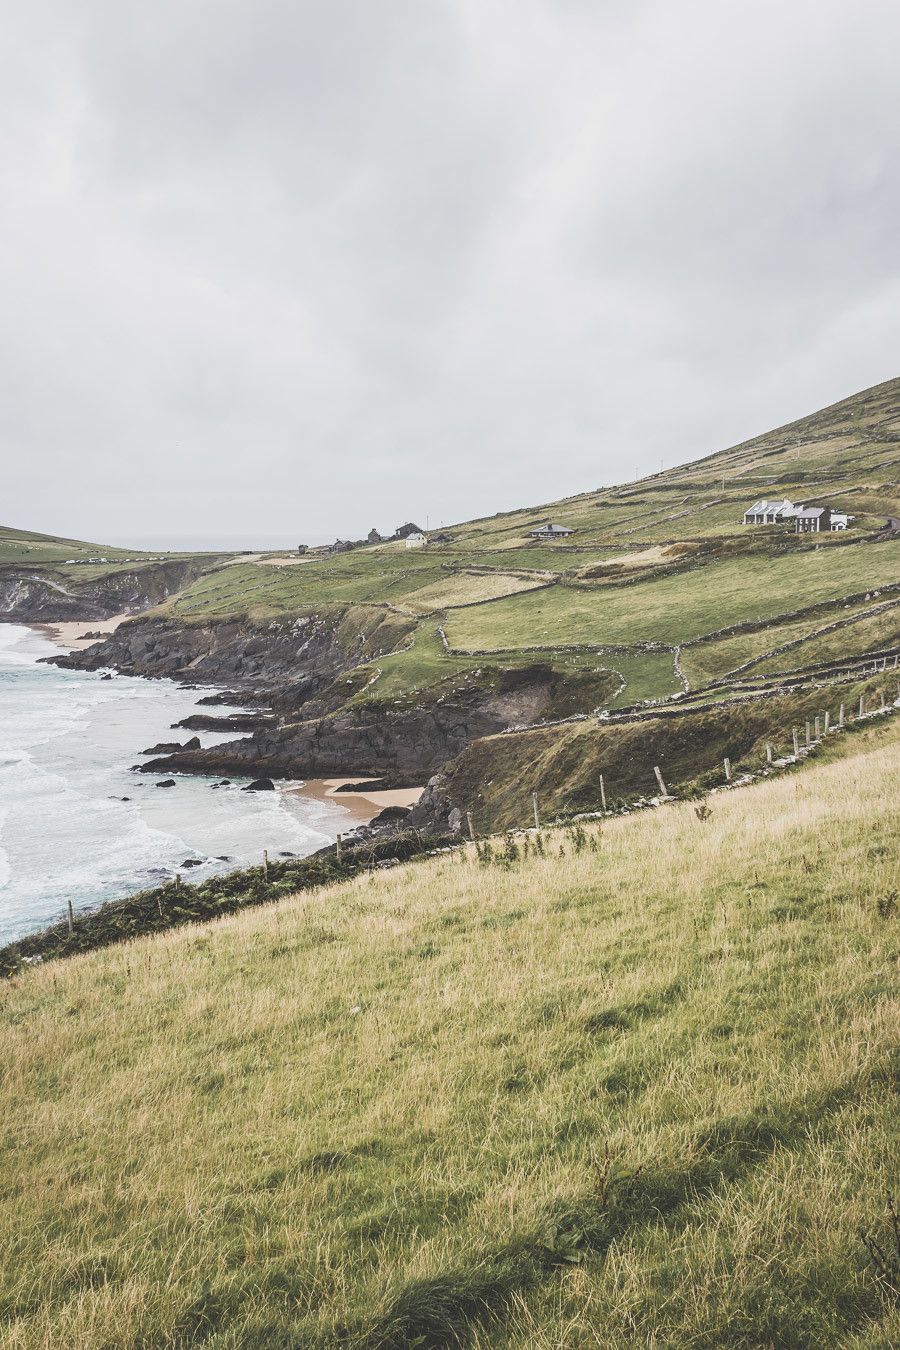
x=69, y=634
x=362, y=805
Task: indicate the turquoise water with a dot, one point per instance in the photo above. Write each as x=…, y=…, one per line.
x=67, y=741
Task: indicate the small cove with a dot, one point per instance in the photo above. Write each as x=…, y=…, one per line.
x=68, y=740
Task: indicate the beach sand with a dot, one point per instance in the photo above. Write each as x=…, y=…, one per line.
x=68, y=634
x=362, y=805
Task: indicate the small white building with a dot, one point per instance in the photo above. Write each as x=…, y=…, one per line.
x=416, y=541
x=840, y=520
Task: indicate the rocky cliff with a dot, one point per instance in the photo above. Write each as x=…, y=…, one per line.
x=313, y=672
x=283, y=661
x=402, y=745
x=52, y=595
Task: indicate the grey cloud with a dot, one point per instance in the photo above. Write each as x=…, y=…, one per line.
x=276, y=268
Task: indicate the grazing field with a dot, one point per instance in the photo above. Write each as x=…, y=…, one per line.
x=716, y=658
x=679, y=607
x=866, y=634
x=466, y=588
x=633, y=1089
x=23, y=546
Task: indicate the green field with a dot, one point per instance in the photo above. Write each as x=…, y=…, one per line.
x=677, y=608
x=716, y=658
x=23, y=546
x=637, y=1090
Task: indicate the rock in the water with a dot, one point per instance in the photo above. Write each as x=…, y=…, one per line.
x=167, y=782
x=170, y=747
x=192, y=862
x=260, y=785
x=285, y=854
x=224, y=857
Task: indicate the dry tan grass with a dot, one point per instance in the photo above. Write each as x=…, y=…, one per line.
x=306, y=1109
x=466, y=588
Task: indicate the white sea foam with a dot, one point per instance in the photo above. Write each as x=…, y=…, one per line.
x=68, y=740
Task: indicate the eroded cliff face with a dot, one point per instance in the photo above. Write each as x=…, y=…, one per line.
x=49, y=595
x=314, y=672
x=402, y=744
x=279, y=661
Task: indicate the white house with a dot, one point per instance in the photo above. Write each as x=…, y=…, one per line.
x=840, y=520
x=416, y=541
x=769, y=513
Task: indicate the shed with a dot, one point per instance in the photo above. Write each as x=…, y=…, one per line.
x=550, y=532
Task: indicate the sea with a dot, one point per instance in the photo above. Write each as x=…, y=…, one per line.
x=77, y=824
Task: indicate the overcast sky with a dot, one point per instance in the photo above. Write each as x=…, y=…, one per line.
x=294, y=268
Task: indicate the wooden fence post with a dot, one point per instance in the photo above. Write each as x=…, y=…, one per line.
x=841, y=716
x=71, y=916
x=796, y=741
x=470, y=825
x=768, y=753
x=862, y=704
x=602, y=793
x=534, y=807
x=727, y=769
x=818, y=728
x=266, y=863
x=659, y=779
x=808, y=735
x=827, y=721
x=339, y=848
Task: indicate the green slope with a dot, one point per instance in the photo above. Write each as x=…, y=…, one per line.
x=666, y=560
x=24, y=546
x=634, y=1090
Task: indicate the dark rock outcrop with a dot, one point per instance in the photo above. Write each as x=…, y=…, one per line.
x=170, y=747
x=391, y=815
x=260, y=785
x=234, y=722
x=284, y=662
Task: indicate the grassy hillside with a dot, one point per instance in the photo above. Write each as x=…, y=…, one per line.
x=634, y=1089
x=665, y=560
x=22, y=546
